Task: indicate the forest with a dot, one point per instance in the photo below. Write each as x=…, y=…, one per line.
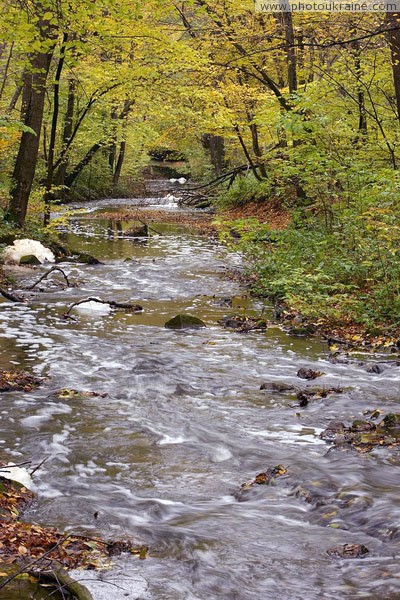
x=298, y=111
x=199, y=276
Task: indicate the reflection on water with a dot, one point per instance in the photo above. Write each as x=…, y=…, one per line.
x=184, y=423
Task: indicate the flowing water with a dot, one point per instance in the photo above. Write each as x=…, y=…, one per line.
x=184, y=423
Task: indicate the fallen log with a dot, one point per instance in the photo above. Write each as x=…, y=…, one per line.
x=112, y=303
x=62, y=581
x=10, y=296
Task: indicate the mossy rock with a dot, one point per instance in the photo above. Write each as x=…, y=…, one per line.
x=279, y=387
x=184, y=322
x=140, y=230
x=88, y=259
x=391, y=420
x=29, y=259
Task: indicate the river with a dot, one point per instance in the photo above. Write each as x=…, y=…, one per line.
x=184, y=423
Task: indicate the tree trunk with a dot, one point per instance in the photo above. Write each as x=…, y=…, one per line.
x=118, y=166
x=71, y=177
x=67, y=132
x=95, y=97
x=33, y=98
x=114, y=162
x=6, y=69
x=257, y=149
x=362, y=113
x=215, y=144
x=247, y=153
x=52, y=143
x=393, y=21
x=112, y=156
x=287, y=19
x=14, y=99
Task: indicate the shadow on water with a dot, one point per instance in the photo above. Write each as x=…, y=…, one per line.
x=184, y=424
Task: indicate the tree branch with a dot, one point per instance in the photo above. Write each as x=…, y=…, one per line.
x=10, y=296
x=112, y=303
x=49, y=273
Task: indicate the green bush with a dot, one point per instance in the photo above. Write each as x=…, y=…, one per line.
x=244, y=189
x=344, y=269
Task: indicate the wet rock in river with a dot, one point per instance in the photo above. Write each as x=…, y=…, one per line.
x=18, y=381
x=333, y=429
x=348, y=551
x=68, y=394
x=364, y=436
x=87, y=259
x=339, y=358
x=316, y=393
x=184, y=322
x=309, y=495
x=278, y=387
x=373, y=414
x=243, y=324
x=139, y=230
x=222, y=301
x=29, y=259
x=263, y=478
x=391, y=420
x=376, y=368
x=360, y=425
x=304, y=373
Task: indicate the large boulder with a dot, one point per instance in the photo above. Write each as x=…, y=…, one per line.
x=26, y=247
x=184, y=322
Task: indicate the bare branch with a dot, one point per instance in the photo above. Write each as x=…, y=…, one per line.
x=45, y=275
x=10, y=296
x=112, y=303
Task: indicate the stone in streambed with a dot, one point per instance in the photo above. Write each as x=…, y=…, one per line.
x=140, y=230
x=87, y=259
x=278, y=387
x=26, y=247
x=333, y=429
x=29, y=259
x=243, y=324
x=184, y=322
x=264, y=478
x=304, y=373
x=348, y=551
x=360, y=426
x=391, y=421
x=376, y=368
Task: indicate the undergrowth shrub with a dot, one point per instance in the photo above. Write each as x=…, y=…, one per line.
x=345, y=269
